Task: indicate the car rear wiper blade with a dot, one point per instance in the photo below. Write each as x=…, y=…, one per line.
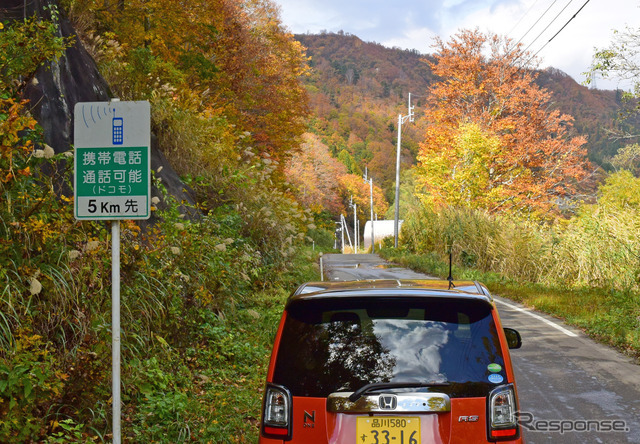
x=393, y=385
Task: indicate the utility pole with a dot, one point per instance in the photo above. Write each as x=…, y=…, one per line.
x=344, y=228
x=401, y=120
x=356, y=235
x=370, y=181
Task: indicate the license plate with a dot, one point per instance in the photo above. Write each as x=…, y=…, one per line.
x=388, y=430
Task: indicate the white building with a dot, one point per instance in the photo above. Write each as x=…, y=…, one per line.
x=381, y=229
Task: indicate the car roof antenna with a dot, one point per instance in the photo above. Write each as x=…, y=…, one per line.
x=450, y=278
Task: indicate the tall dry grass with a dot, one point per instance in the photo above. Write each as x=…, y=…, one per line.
x=599, y=247
x=477, y=239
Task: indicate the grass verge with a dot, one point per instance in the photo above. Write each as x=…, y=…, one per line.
x=219, y=395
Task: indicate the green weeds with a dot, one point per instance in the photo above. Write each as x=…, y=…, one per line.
x=200, y=305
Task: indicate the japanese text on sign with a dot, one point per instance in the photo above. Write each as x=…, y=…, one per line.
x=112, y=172
x=111, y=181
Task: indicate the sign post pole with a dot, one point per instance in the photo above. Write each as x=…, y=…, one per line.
x=115, y=329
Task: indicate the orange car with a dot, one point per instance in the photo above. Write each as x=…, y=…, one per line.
x=391, y=362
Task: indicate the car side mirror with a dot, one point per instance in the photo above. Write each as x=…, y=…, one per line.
x=514, y=340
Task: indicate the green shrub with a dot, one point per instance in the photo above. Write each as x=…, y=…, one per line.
x=67, y=431
x=31, y=380
x=322, y=238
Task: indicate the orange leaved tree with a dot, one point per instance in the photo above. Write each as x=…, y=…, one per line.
x=314, y=175
x=492, y=141
x=355, y=188
x=229, y=60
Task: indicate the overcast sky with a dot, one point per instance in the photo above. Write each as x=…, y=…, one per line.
x=412, y=24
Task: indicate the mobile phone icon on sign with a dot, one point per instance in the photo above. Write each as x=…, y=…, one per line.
x=117, y=131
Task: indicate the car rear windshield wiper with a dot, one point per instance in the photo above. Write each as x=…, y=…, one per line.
x=393, y=385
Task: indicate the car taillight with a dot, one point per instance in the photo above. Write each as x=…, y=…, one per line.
x=276, y=412
x=502, y=418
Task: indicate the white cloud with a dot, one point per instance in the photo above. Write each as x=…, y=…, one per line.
x=420, y=39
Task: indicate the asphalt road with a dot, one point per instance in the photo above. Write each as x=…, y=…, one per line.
x=571, y=389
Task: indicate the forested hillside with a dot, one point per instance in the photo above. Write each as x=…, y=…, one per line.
x=358, y=88
x=597, y=113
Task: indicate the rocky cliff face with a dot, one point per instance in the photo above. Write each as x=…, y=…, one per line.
x=58, y=86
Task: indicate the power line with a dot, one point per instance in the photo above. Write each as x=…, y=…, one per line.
x=539, y=18
x=522, y=18
x=550, y=23
x=556, y=34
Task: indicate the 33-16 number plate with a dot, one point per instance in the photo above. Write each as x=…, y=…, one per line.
x=388, y=430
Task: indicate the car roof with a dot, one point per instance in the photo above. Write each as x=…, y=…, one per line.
x=392, y=288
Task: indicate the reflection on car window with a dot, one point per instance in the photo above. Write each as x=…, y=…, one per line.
x=340, y=345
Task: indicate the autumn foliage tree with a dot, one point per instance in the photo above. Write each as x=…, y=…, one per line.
x=353, y=187
x=227, y=105
x=314, y=172
x=324, y=184
x=492, y=142
x=231, y=61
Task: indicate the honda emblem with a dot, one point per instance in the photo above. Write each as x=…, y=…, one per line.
x=388, y=402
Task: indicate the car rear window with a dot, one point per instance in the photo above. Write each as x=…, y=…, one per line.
x=334, y=344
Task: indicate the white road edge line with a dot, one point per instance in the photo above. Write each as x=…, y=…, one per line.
x=546, y=321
